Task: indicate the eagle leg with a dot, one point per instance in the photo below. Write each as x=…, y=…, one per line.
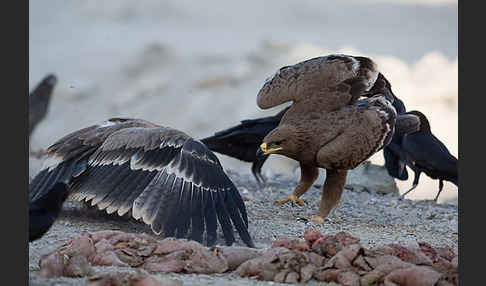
x=308, y=175
x=331, y=195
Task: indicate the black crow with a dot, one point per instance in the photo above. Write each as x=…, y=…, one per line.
x=39, y=100
x=394, y=165
x=423, y=152
x=44, y=211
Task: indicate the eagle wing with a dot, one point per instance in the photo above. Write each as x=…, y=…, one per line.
x=328, y=82
x=171, y=181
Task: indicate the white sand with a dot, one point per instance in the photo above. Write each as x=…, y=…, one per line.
x=197, y=66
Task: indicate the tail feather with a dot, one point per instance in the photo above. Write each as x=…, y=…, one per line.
x=395, y=167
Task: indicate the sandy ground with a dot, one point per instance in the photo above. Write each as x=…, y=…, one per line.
x=375, y=219
x=197, y=67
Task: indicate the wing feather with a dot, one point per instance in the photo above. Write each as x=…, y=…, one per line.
x=223, y=217
x=328, y=81
x=210, y=217
x=184, y=207
x=166, y=207
x=197, y=214
x=125, y=189
x=127, y=204
x=235, y=216
x=169, y=180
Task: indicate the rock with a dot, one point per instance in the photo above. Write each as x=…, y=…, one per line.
x=366, y=177
x=373, y=177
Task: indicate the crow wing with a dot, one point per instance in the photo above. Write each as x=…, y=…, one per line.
x=394, y=163
x=243, y=140
x=431, y=155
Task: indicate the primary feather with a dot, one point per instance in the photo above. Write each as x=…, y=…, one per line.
x=163, y=176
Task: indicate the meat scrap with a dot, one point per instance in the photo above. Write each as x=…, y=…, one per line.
x=279, y=264
x=338, y=258
x=115, y=248
x=139, y=278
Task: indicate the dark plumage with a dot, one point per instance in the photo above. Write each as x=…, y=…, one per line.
x=164, y=177
x=406, y=123
x=242, y=141
x=44, y=211
x=423, y=152
x=394, y=165
x=326, y=126
x=39, y=100
x=433, y=157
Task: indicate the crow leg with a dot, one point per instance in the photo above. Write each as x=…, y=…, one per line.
x=441, y=185
x=256, y=169
x=415, y=183
x=308, y=175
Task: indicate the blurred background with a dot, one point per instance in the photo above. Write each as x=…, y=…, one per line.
x=197, y=66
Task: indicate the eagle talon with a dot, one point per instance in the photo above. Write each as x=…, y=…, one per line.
x=317, y=219
x=292, y=198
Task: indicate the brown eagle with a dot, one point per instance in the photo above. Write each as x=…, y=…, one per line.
x=327, y=126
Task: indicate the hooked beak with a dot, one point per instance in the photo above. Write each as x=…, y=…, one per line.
x=265, y=151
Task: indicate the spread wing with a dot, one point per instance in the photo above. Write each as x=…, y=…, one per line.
x=169, y=180
x=328, y=82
